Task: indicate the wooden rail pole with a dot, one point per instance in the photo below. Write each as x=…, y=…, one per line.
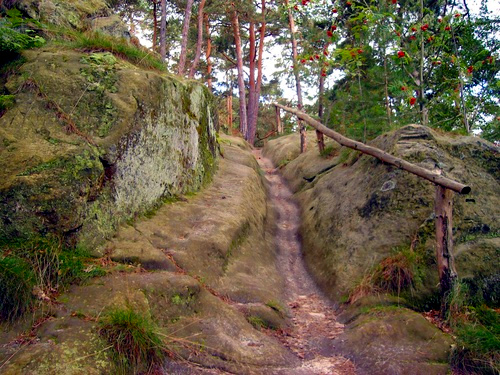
x=443, y=201
x=381, y=155
x=444, y=240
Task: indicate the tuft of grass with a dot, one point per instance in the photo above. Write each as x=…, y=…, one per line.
x=16, y=284
x=257, y=322
x=95, y=41
x=393, y=274
x=38, y=267
x=477, y=333
x=134, y=338
x=283, y=163
x=276, y=306
x=327, y=152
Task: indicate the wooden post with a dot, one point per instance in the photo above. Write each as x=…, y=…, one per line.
x=444, y=241
x=278, y=120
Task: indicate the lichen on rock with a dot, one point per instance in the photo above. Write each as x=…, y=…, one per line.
x=140, y=136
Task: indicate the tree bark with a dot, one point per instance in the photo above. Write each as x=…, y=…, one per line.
x=208, y=52
x=255, y=96
x=423, y=108
x=319, y=135
x=199, y=42
x=302, y=128
x=185, y=32
x=155, y=25
x=251, y=82
x=163, y=29
x=444, y=242
x=241, y=81
x=381, y=155
x=229, y=107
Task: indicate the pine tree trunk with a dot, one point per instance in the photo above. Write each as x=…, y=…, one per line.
x=252, y=118
x=208, y=52
x=251, y=83
x=423, y=108
x=185, y=31
x=163, y=29
x=241, y=81
x=155, y=25
x=302, y=128
x=199, y=41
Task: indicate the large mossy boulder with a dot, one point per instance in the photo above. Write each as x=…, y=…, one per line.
x=358, y=211
x=93, y=140
x=63, y=13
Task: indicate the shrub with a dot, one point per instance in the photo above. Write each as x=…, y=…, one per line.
x=133, y=337
x=14, y=36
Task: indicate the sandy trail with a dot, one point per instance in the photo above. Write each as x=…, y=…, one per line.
x=314, y=324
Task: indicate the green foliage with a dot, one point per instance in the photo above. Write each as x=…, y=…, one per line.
x=134, y=337
x=6, y=102
x=14, y=36
x=477, y=332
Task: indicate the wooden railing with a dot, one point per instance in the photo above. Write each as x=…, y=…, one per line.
x=443, y=198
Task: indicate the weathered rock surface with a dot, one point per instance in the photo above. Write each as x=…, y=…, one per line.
x=201, y=267
x=357, y=211
x=93, y=140
x=72, y=14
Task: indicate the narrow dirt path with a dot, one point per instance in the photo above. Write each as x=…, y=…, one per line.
x=314, y=324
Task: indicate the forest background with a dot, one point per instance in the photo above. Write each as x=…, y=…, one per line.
x=366, y=67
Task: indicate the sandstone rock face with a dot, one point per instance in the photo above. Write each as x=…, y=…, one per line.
x=358, y=211
x=359, y=214
x=93, y=140
x=201, y=267
x=65, y=13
